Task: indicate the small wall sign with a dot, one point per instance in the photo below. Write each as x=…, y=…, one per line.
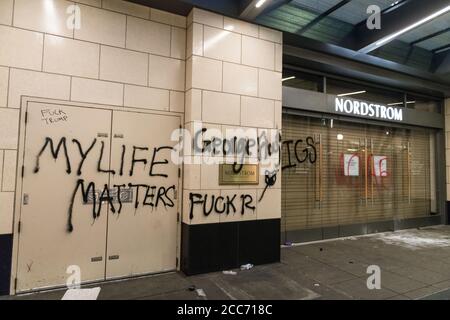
x=245, y=174
x=380, y=166
x=351, y=165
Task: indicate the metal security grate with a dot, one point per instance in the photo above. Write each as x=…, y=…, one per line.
x=391, y=181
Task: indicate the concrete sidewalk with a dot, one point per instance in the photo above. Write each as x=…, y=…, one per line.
x=415, y=264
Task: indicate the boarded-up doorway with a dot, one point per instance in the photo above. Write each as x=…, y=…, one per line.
x=98, y=195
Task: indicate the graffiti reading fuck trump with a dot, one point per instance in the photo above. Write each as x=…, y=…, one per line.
x=150, y=159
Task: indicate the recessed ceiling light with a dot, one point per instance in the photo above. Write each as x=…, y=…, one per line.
x=400, y=103
x=351, y=93
x=288, y=78
x=260, y=3
x=414, y=25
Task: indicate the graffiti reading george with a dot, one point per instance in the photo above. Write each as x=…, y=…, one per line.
x=145, y=195
x=246, y=145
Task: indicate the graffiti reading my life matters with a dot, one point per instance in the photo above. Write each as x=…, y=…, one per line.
x=146, y=195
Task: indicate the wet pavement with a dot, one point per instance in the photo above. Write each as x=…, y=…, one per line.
x=414, y=264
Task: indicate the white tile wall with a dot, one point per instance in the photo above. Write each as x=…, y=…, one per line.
x=47, y=16
x=241, y=27
x=147, y=98
x=221, y=108
x=123, y=66
x=258, y=53
x=222, y=45
x=207, y=18
x=270, y=205
x=240, y=79
x=192, y=176
x=193, y=109
x=270, y=35
x=80, y=57
x=101, y=26
x=23, y=49
x=270, y=86
x=206, y=74
x=177, y=101
x=209, y=179
x=148, y=36
x=195, y=40
x=94, y=91
x=166, y=73
x=278, y=57
x=6, y=211
x=4, y=79
x=6, y=11
x=36, y=84
x=9, y=126
x=9, y=170
x=257, y=112
x=178, y=43
x=278, y=114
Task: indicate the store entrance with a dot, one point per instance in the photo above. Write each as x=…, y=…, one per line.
x=342, y=178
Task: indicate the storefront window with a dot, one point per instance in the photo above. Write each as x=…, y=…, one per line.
x=341, y=178
x=302, y=80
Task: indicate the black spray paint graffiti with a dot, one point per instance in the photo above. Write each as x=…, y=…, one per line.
x=219, y=204
x=153, y=196
x=270, y=179
x=241, y=147
x=54, y=152
x=307, y=154
x=150, y=193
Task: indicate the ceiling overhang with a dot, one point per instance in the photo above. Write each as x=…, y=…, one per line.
x=435, y=82
x=364, y=40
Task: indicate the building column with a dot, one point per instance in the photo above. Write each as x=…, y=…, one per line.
x=233, y=82
x=447, y=153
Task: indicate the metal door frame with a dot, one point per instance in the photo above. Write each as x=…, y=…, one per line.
x=25, y=100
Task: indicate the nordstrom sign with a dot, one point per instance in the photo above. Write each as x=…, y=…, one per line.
x=360, y=108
